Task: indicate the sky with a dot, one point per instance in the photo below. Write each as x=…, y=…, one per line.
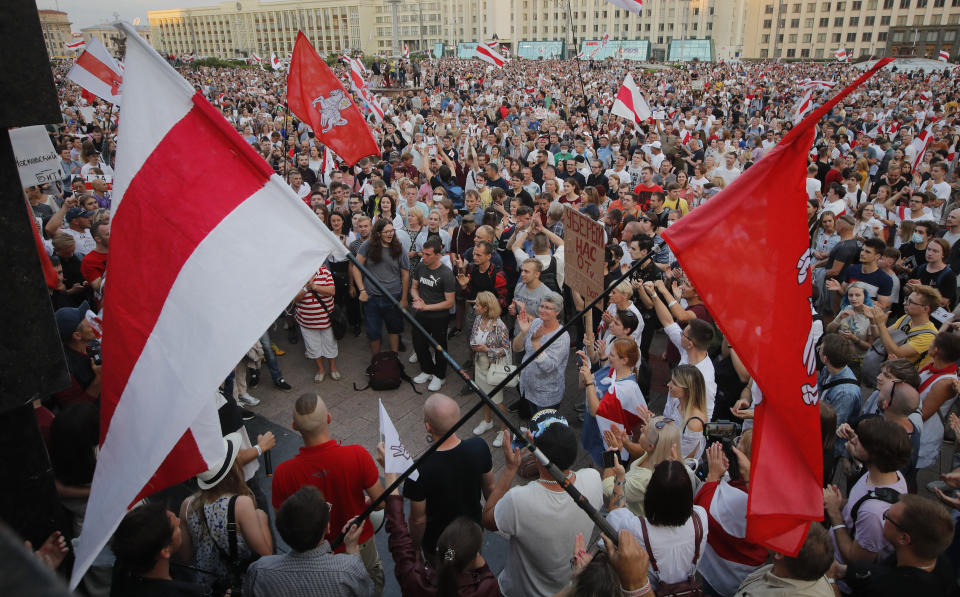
x=84, y=13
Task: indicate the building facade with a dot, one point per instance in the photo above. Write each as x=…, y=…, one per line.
x=924, y=42
x=815, y=29
x=111, y=37
x=55, y=25
x=237, y=29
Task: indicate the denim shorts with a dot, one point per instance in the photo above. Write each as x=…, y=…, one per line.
x=380, y=310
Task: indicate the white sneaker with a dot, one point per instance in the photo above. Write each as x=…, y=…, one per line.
x=413, y=358
x=422, y=378
x=483, y=427
x=248, y=399
x=498, y=442
x=435, y=384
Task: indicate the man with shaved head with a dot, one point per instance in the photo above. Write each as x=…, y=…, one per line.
x=345, y=474
x=451, y=480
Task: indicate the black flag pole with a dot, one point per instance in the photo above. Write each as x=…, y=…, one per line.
x=485, y=400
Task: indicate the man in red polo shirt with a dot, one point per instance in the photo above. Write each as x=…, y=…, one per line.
x=345, y=475
x=646, y=188
x=94, y=263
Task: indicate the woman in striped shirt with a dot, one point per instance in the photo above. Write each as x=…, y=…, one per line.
x=314, y=323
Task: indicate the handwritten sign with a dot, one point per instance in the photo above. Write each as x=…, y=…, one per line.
x=583, y=253
x=37, y=162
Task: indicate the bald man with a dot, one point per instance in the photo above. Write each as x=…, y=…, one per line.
x=451, y=479
x=346, y=474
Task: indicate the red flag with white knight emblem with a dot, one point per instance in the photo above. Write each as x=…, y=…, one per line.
x=318, y=98
x=773, y=333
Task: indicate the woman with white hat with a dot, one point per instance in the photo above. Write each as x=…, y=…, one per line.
x=204, y=519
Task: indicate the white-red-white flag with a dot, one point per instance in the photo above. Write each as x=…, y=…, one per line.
x=943, y=57
x=634, y=6
x=256, y=58
x=96, y=71
x=76, y=45
x=170, y=336
x=274, y=61
x=920, y=144
x=804, y=106
x=841, y=55
x=406, y=51
x=685, y=136
x=630, y=103
x=487, y=54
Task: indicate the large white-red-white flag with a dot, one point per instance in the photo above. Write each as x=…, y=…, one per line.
x=96, y=71
x=170, y=334
x=630, y=103
x=487, y=54
x=634, y=6
x=943, y=57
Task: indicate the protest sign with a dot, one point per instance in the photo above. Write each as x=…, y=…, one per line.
x=583, y=253
x=37, y=162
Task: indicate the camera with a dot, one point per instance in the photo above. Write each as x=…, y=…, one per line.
x=93, y=351
x=725, y=432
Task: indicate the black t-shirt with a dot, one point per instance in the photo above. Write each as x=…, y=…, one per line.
x=911, y=256
x=433, y=283
x=944, y=280
x=846, y=251
x=499, y=182
x=888, y=579
x=154, y=587
x=450, y=482
x=78, y=365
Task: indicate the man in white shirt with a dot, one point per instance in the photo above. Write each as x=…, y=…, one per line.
x=813, y=184
x=295, y=180
x=938, y=186
x=656, y=155
x=729, y=171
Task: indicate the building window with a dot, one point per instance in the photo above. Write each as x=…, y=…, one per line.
x=765, y=38
x=838, y=21
x=792, y=38
x=885, y=20
x=869, y=21
x=805, y=53
x=825, y=7
x=808, y=23
x=867, y=36
x=854, y=21
x=766, y=24
x=887, y=4
x=818, y=53
x=851, y=37
x=918, y=20
x=796, y=7
x=791, y=53
x=764, y=53
x=938, y=3
x=837, y=37
x=811, y=7
x=904, y=3
x=825, y=22
x=902, y=21
x=768, y=9
x=921, y=3
x=794, y=23
x=882, y=36
x=807, y=38
x=857, y=5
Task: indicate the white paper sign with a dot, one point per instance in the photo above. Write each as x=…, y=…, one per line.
x=37, y=161
x=87, y=112
x=396, y=459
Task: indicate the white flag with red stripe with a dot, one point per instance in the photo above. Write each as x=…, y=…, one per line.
x=943, y=57
x=406, y=51
x=76, y=45
x=804, y=106
x=96, y=71
x=256, y=58
x=920, y=144
x=634, y=6
x=274, y=61
x=170, y=334
x=841, y=55
x=488, y=54
x=630, y=103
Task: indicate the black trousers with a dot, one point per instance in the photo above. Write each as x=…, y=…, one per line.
x=432, y=362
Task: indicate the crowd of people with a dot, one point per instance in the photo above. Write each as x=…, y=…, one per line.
x=460, y=221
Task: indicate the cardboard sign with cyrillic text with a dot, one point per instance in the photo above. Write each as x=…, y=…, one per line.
x=583, y=253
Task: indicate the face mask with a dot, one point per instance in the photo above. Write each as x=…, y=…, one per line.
x=917, y=238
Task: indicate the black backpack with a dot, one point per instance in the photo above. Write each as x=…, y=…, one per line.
x=884, y=494
x=386, y=373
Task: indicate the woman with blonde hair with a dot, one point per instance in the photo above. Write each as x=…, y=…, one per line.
x=659, y=441
x=415, y=222
x=687, y=407
x=490, y=343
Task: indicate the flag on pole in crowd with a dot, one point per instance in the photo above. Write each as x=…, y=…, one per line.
x=841, y=55
x=926, y=95
x=943, y=57
x=494, y=45
x=920, y=144
x=488, y=54
x=804, y=107
x=169, y=338
x=630, y=103
x=274, y=61
x=601, y=45
x=256, y=58
x=634, y=6
x=406, y=51
x=774, y=335
x=396, y=459
x=685, y=136
x=96, y=71
x=76, y=45
x=821, y=85
x=318, y=98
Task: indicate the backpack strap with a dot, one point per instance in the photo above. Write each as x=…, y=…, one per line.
x=232, y=528
x=839, y=382
x=646, y=542
x=884, y=494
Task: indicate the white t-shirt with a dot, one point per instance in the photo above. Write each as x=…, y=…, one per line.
x=84, y=241
x=705, y=366
x=673, y=547
x=540, y=547
x=813, y=187
x=728, y=175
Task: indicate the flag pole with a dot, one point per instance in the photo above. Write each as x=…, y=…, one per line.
x=583, y=89
x=485, y=400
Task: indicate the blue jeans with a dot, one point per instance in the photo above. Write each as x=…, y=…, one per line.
x=380, y=310
x=270, y=357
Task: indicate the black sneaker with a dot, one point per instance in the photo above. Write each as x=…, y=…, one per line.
x=253, y=377
x=283, y=385
x=453, y=333
x=247, y=415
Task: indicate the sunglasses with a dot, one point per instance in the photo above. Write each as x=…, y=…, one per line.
x=886, y=516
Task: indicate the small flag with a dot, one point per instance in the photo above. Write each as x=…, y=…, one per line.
x=96, y=71
x=634, y=6
x=841, y=55
x=630, y=103
x=485, y=53
x=804, y=107
x=943, y=57
x=274, y=61
x=77, y=44
x=406, y=51
x=920, y=144
x=396, y=459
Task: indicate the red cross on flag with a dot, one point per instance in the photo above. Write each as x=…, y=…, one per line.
x=96, y=71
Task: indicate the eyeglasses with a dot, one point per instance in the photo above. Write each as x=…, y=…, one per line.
x=659, y=425
x=887, y=517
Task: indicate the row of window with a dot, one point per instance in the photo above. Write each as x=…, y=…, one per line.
x=918, y=20
x=822, y=37
x=857, y=6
